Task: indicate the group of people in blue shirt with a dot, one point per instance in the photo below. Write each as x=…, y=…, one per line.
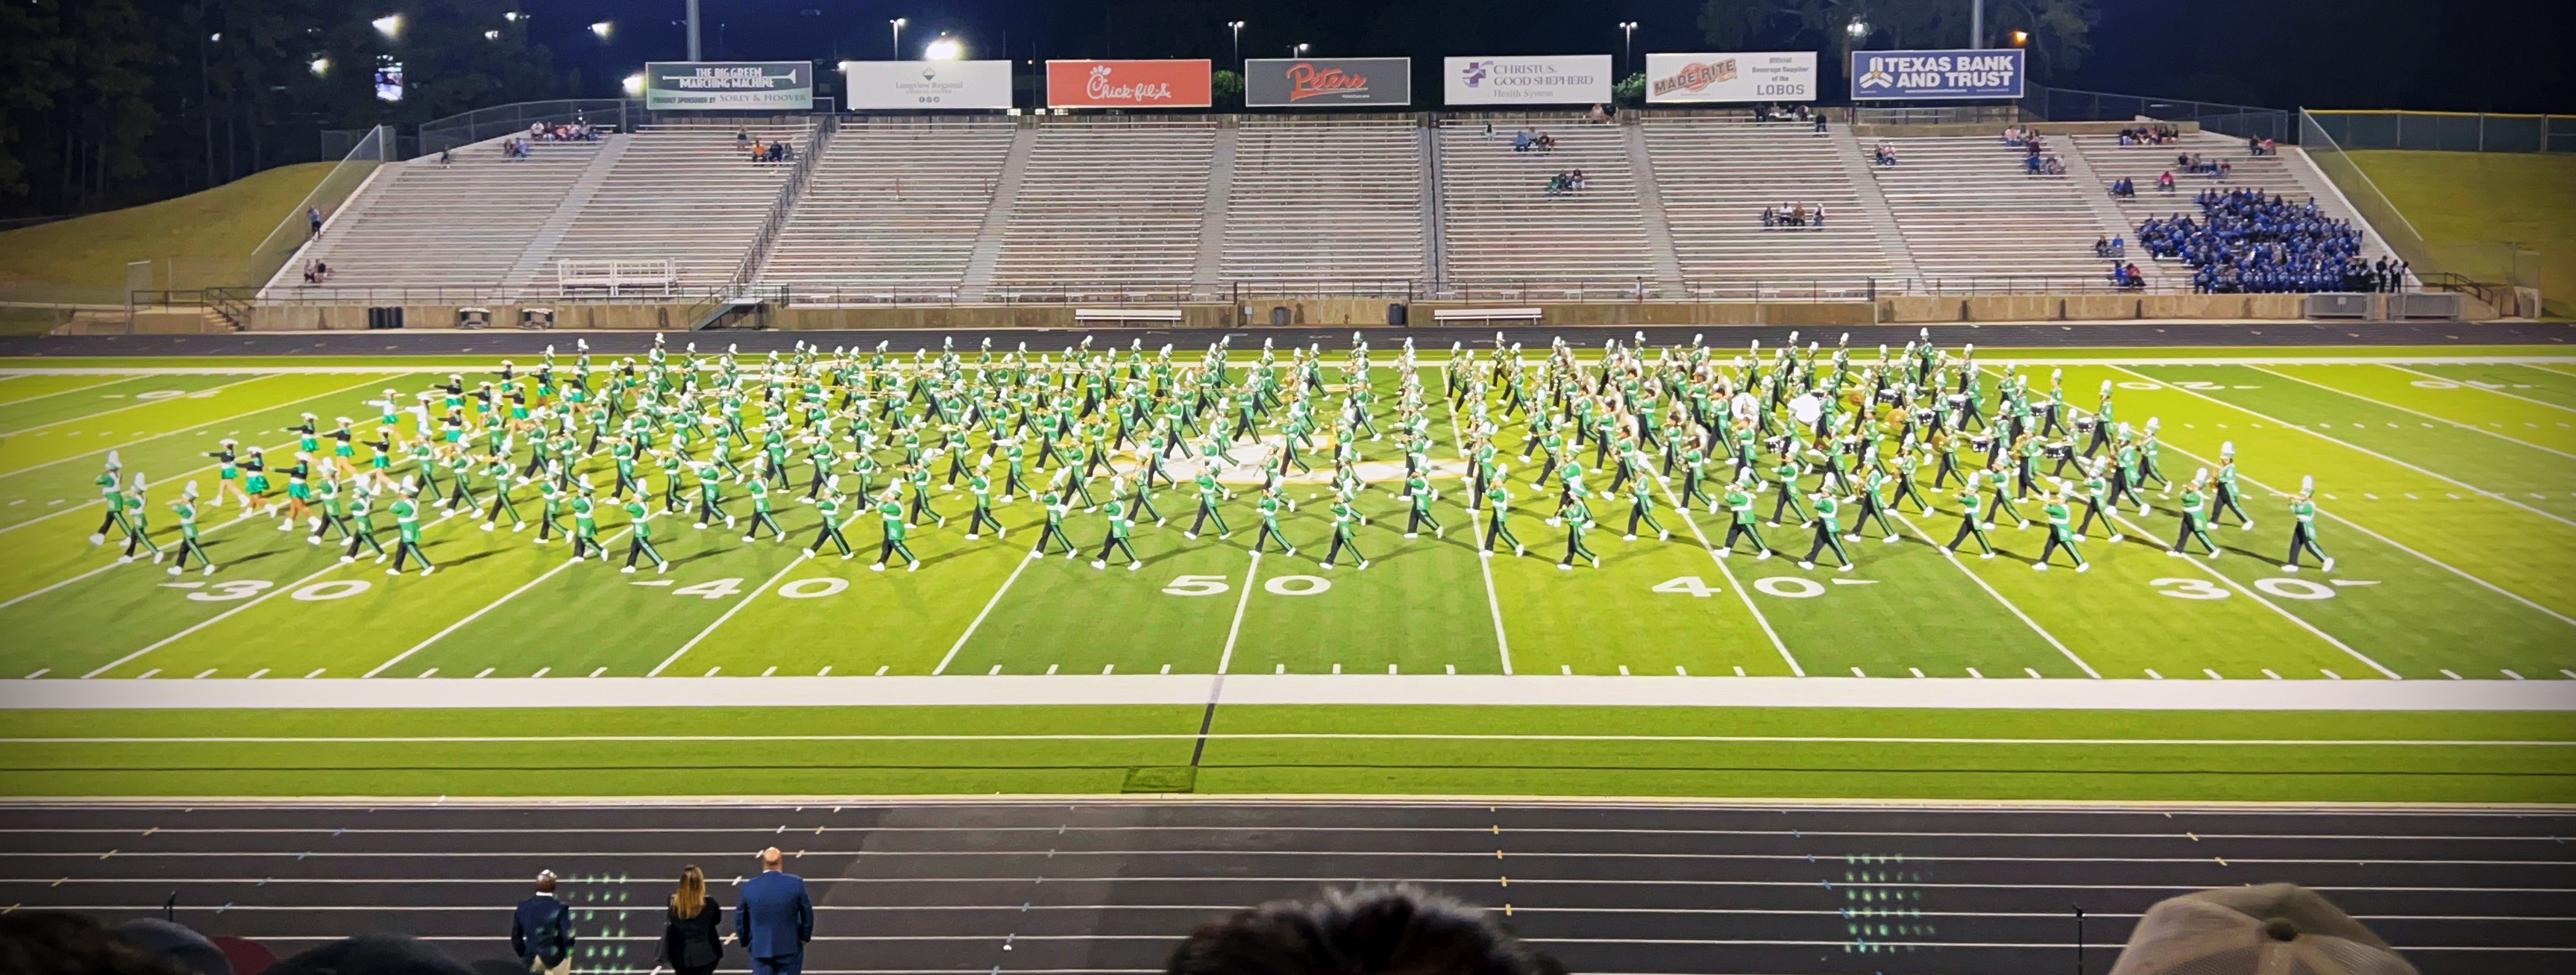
x=2247, y=241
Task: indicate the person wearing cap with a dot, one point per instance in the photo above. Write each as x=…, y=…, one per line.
x=829, y=506
x=585, y=523
x=1739, y=503
x=227, y=471
x=138, y=523
x=1829, y=532
x=2225, y=497
x=758, y=487
x=1116, y=540
x=774, y=918
x=186, y=508
x=361, y=525
x=2303, y=528
x=896, y=530
x=112, y=494
x=639, y=538
x=406, y=508
x=334, y=512
x=2061, y=532
x=1577, y=518
x=1970, y=524
x=541, y=930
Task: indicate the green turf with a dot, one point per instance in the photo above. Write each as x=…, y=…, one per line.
x=1810, y=752
x=2450, y=492
x=2470, y=205
x=214, y=228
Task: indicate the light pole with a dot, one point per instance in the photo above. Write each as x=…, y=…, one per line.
x=1976, y=25
x=1628, y=49
x=693, y=30
x=1237, y=27
x=897, y=24
x=1298, y=50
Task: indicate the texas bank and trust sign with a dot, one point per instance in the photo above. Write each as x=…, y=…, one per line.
x=1938, y=74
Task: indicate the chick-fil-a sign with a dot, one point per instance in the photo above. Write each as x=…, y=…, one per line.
x=1129, y=84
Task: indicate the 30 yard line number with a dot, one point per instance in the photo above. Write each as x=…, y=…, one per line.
x=231, y=590
x=2203, y=589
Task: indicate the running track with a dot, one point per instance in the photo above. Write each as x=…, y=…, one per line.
x=1107, y=886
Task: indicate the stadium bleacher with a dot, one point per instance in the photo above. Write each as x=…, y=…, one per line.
x=1500, y=227
x=1716, y=174
x=689, y=193
x=1326, y=200
x=2288, y=174
x=1107, y=205
x=462, y=223
x=1972, y=217
x=893, y=208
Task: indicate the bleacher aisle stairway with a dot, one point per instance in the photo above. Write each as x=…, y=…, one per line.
x=892, y=210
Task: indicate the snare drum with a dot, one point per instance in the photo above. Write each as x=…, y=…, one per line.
x=2084, y=424
x=2059, y=451
x=1982, y=443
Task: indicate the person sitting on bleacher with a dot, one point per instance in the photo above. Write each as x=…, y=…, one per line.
x=1884, y=154
x=1770, y=217
x=1521, y=141
x=1576, y=181
x=2012, y=135
x=2165, y=182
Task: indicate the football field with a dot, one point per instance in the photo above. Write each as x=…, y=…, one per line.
x=2446, y=484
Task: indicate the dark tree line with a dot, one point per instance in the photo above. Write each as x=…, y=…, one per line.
x=108, y=103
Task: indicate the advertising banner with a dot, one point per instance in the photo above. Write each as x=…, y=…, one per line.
x=721, y=86
x=1574, y=79
x=926, y=84
x=1295, y=82
x=1129, y=84
x=1995, y=73
x=1749, y=76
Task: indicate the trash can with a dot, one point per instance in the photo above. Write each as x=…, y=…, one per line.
x=1396, y=313
x=1279, y=315
x=385, y=317
x=474, y=318
x=536, y=319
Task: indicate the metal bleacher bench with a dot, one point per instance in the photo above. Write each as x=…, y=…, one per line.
x=1172, y=315
x=1485, y=314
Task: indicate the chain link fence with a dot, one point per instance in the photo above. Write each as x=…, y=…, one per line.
x=2241, y=121
x=2449, y=131
x=612, y=114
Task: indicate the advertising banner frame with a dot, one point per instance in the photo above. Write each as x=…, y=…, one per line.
x=1730, y=77
x=664, y=90
x=926, y=85
x=1936, y=75
x=1517, y=80
x=1382, y=83
x=1146, y=83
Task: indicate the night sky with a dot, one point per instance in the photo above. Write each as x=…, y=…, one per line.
x=2477, y=55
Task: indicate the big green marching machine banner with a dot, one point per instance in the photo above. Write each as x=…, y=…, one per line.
x=729, y=86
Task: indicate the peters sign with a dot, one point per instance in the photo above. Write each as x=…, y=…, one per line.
x=1308, y=82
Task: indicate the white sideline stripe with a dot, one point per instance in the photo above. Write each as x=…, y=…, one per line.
x=2463, y=485
x=978, y=622
x=1226, y=659
x=201, y=423
x=1195, y=690
x=478, y=614
x=1333, y=736
x=2466, y=384
x=1475, y=527
x=2517, y=441
x=1731, y=583
x=85, y=418
x=675, y=656
x=15, y=600
x=1999, y=597
x=217, y=618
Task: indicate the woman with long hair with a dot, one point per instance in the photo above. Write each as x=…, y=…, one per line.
x=690, y=944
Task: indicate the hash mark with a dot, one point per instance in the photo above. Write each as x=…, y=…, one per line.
x=2032, y=671
x=2152, y=675
x=1856, y=672
x=2513, y=675
x=2213, y=675
x=594, y=673
x=2330, y=675
x=317, y=672
x=2452, y=676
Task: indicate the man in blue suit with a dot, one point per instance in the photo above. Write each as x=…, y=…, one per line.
x=541, y=930
x=776, y=918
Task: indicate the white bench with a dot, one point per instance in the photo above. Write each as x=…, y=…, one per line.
x=616, y=275
x=1485, y=315
x=1167, y=315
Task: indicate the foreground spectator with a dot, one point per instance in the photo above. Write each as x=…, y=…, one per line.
x=2254, y=929
x=541, y=931
x=376, y=954
x=1394, y=931
x=63, y=943
x=776, y=918
x=690, y=944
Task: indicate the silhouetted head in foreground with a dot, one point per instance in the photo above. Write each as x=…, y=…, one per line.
x=1388, y=930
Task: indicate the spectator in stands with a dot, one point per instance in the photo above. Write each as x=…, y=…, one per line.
x=2248, y=241
x=690, y=944
x=2012, y=135
x=1359, y=932
x=1770, y=216
x=2101, y=247
x=445, y=157
x=1817, y=215
x=775, y=918
x=1489, y=130
x=536, y=131
x=314, y=215
x=541, y=930
x=741, y=138
x=758, y=150
x=1884, y=154
x=2165, y=182
x=1820, y=120
x=1521, y=141
x=1577, y=181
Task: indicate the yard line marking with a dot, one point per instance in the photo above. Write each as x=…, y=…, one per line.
x=217, y=618
x=1972, y=575
x=979, y=618
x=121, y=409
x=1226, y=659
x=1476, y=528
x=2355, y=447
x=2428, y=416
x=374, y=378
x=15, y=600
x=2393, y=543
x=102, y=381
x=1732, y=584
x=478, y=614
x=2204, y=569
x=2470, y=385
x=675, y=656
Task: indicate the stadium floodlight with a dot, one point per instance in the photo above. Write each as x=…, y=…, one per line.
x=1859, y=28
x=320, y=66
x=1237, y=27
x=602, y=28
x=2020, y=38
x=216, y=37
x=389, y=25
x=897, y=23
x=513, y=16
x=633, y=85
x=945, y=48
x=491, y=35
x=1298, y=50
